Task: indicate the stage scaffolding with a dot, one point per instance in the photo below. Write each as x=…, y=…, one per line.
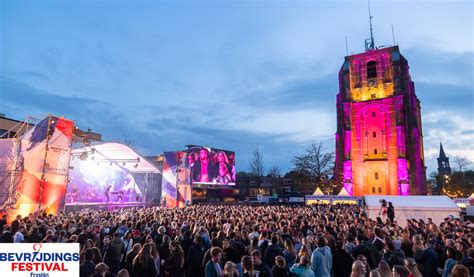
x=11, y=164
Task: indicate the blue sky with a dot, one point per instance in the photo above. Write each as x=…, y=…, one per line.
x=229, y=74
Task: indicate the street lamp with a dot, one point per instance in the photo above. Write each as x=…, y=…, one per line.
x=446, y=180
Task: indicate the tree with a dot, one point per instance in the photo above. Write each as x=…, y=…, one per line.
x=274, y=171
x=256, y=163
x=462, y=163
x=315, y=162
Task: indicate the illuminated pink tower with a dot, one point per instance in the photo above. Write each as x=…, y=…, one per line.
x=379, y=139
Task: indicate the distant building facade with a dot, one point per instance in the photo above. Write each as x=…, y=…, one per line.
x=292, y=184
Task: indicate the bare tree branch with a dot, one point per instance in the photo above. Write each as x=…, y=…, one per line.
x=462, y=163
x=274, y=171
x=256, y=163
x=315, y=162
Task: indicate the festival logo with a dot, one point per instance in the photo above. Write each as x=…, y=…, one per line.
x=39, y=260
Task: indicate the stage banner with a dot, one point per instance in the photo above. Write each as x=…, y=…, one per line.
x=46, y=151
x=170, y=178
x=36, y=259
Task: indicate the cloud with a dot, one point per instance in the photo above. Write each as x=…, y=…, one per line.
x=169, y=74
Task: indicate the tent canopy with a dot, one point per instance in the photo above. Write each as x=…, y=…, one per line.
x=318, y=192
x=343, y=192
x=440, y=202
x=419, y=207
x=117, y=153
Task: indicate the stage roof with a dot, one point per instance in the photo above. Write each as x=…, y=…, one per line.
x=119, y=153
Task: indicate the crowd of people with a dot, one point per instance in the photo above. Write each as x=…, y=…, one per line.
x=215, y=241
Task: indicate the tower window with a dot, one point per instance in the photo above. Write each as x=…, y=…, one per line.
x=380, y=190
x=376, y=175
x=373, y=114
x=373, y=190
x=375, y=151
x=374, y=134
x=371, y=70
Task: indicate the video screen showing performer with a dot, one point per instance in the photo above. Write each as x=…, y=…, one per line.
x=211, y=166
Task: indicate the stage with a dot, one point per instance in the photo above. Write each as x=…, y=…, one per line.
x=77, y=206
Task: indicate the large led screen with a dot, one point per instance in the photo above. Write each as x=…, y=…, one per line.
x=211, y=166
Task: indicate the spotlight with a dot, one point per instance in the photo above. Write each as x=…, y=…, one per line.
x=136, y=166
x=123, y=163
x=110, y=164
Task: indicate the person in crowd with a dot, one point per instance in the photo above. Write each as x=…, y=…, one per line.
x=235, y=227
x=375, y=273
x=156, y=256
x=412, y=267
x=118, y=245
x=289, y=253
x=468, y=261
x=260, y=266
x=97, y=256
x=230, y=270
x=321, y=259
x=127, y=243
x=358, y=269
x=460, y=270
x=363, y=259
x=143, y=263
x=109, y=255
x=406, y=245
x=383, y=210
x=399, y=271
x=280, y=268
x=230, y=253
x=272, y=251
x=195, y=256
x=450, y=261
x=391, y=212
x=303, y=268
x=102, y=270
x=87, y=268
x=429, y=260
x=174, y=265
x=123, y=273
x=392, y=255
x=213, y=267
x=6, y=236
x=341, y=261
x=130, y=257
x=19, y=237
x=247, y=266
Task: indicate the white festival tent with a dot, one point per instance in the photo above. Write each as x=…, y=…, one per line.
x=419, y=207
x=343, y=192
x=112, y=151
x=318, y=192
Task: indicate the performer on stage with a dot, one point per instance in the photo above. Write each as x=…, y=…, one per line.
x=107, y=193
x=74, y=195
x=119, y=196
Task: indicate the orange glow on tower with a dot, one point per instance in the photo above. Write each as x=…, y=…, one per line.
x=379, y=147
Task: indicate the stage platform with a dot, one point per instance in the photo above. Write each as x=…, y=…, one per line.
x=72, y=207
